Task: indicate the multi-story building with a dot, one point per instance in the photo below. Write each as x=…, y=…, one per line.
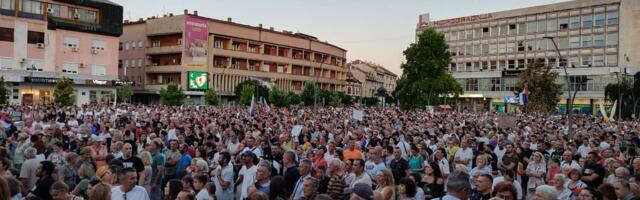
x=44, y=40
x=596, y=38
x=200, y=53
x=372, y=77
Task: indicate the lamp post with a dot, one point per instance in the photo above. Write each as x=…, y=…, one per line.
x=566, y=77
x=315, y=91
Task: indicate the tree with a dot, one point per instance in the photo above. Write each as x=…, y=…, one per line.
x=293, y=98
x=246, y=93
x=3, y=92
x=544, y=92
x=278, y=97
x=425, y=80
x=335, y=100
x=627, y=90
x=172, y=95
x=63, y=92
x=262, y=91
x=307, y=96
x=125, y=92
x=211, y=98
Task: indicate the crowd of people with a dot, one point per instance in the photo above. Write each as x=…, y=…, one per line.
x=139, y=152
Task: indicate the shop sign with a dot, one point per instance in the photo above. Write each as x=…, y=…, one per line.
x=461, y=20
x=198, y=81
x=119, y=83
x=40, y=80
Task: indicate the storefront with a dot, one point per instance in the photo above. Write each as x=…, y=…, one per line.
x=39, y=90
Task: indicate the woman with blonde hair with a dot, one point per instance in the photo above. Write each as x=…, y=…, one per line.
x=100, y=191
x=145, y=177
x=536, y=171
x=386, y=184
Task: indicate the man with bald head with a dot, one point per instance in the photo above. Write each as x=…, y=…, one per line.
x=567, y=160
x=129, y=160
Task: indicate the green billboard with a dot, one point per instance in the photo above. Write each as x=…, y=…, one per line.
x=198, y=81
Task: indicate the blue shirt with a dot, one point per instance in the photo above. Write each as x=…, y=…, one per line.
x=184, y=162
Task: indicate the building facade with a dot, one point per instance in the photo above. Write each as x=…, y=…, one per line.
x=44, y=40
x=372, y=77
x=200, y=53
x=596, y=39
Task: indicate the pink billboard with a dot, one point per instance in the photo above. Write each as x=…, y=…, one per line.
x=195, y=45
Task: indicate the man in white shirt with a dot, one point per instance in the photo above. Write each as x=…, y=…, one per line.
x=223, y=177
x=358, y=174
x=128, y=190
x=508, y=177
x=404, y=147
x=584, y=148
x=464, y=154
x=247, y=175
x=567, y=160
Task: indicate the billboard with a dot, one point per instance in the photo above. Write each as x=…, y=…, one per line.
x=198, y=81
x=195, y=41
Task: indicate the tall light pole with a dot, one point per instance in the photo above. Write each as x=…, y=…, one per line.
x=315, y=91
x=566, y=77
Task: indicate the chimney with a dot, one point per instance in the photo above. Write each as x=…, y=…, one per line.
x=186, y=12
x=170, y=14
x=260, y=26
x=229, y=19
x=195, y=12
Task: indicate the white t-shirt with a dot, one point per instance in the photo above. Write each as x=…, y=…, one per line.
x=248, y=180
x=202, y=195
x=137, y=193
x=462, y=154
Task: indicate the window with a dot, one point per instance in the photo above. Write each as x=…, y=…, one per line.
x=520, y=64
x=97, y=45
x=120, y=46
x=469, y=34
x=504, y=29
x=477, y=33
x=513, y=29
x=30, y=6
x=98, y=70
x=140, y=62
x=502, y=48
x=468, y=50
x=485, y=49
x=141, y=45
x=126, y=45
x=493, y=48
x=542, y=45
x=520, y=46
x=612, y=39
x=126, y=63
x=494, y=31
x=70, y=42
x=598, y=40
x=70, y=68
x=476, y=50
x=612, y=60
x=552, y=25
x=155, y=43
x=6, y=4
x=612, y=18
x=552, y=62
x=563, y=43
x=6, y=34
x=574, y=61
x=493, y=65
x=587, y=21
x=34, y=37
x=574, y=42
x=586, y=61
x=586, y=41
x=598, y=61
x=521, y=29
x=471, y=84
x=86, y=15
x=531, y=27
x=574, y=22
x=542, y=26
x=16, y=93
x=578, y=83
x=599, y=19
x=502, y=64
x=511, y=64
x=530, y=45
x=55, y=10
x=511, y=47
x=563, y=23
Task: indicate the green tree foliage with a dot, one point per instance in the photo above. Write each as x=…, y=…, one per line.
x=172, y=95
x=335, y=99
x=63, y=92
x=211, y=98
x=629, y=91
x=4, y=96
x=262, y=91
x=247, y=91
x=293, y=98
x=308, y=93
x=425, y=80
x=544, y=92
x=278, y=97
x=125, y=92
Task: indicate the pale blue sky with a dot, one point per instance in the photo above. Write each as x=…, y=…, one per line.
x=372, y=30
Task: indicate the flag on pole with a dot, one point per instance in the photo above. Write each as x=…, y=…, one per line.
x=265, y=106
x=253, y=101
x=524, y=95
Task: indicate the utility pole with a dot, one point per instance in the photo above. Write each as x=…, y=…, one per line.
x=566, y=77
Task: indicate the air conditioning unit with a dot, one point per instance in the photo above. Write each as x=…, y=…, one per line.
x=40, y=45
x=76, y=16
x=94, y=51
x=81, y=65
x=22, y=60
x=75, y=49
x=50, y=10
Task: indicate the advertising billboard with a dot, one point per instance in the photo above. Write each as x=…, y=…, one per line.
x=198, y=81
x=195, y=41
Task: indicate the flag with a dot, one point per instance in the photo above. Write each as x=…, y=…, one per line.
x=524, y=95
x=5, y=120
x=253, y=100
x=265, y=106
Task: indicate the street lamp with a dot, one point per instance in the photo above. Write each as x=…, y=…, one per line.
x=315, y=91
x=566, y=77
x=32, y=69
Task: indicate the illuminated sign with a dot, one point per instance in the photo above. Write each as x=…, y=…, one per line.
x=461, y=20
x=198, y=81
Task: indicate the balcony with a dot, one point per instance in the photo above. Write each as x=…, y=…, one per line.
x=163, y=68
x=164, y=50
x=273, y=58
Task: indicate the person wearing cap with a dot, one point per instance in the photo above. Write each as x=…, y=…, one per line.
x=45, y=180
x=361, y=191
x=247, y=174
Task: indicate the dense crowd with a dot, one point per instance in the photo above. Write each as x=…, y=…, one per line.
x=137, y=152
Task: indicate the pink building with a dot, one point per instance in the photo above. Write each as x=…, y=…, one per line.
x=42, y=41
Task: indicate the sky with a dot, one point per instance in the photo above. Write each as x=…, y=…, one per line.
x=371, y=30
